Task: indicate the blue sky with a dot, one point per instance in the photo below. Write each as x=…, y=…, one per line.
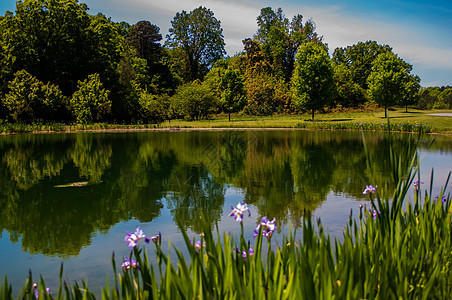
x=420, y=31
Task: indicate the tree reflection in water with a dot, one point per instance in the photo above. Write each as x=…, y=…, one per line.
x=283, y=173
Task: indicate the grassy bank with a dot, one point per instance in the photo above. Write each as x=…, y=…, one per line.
x=374, y=120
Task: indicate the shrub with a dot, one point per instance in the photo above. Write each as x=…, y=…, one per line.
x=90, y=103
x=30, y=100
x=194, y=100
x=265, y=95
x=151, y=109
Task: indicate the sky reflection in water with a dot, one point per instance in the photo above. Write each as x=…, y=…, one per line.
x=151, y=179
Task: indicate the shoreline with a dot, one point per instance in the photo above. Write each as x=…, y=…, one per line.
x=180, y=129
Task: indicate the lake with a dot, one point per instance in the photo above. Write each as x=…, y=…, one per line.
x=71, y=198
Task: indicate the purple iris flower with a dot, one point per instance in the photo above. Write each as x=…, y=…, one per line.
x=443, y=199
x=157, y=239
x=238, y=211
x=133, y=238
x=416, y=184
x=269, y=227
x=36, y=291
x=249, y=253
x=198, y=245
x=130, y=263
x=369, y=189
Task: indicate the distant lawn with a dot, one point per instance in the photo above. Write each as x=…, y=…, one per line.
x=369, y=119
x=336, y=120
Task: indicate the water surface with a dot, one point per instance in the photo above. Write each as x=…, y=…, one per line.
x=70, y=198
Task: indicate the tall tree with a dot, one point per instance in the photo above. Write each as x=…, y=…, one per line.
x=233, y=96
x=58, y=42
x=42, y=35
x=227, y=83
x=411, y=94
x=389, y=80
x=313, y=78
x=280, y=38
x=30, y=100
x=358, y=59
x=200, y=36
x=145, y=38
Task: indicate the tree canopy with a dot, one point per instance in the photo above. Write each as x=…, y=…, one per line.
x=200, y=36
x=390, y=82
x=49, y=47
x=312, y=82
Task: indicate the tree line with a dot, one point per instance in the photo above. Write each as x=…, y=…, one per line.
x=60, y=64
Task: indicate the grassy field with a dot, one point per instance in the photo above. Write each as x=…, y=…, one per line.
x=336, y=120
x=370, y=119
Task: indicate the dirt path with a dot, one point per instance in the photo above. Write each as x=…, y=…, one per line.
x=442, y=114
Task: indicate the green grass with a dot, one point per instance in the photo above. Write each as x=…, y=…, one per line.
x=371, y=119
x=352, y=120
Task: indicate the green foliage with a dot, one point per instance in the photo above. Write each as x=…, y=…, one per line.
x=281, y=38
x=313, y=81
x=233, y=92
x=349, y=93
x=358, y=60
x=411, y=93
x=29, y=100
x=265, y=94
x=227, y=83
x=145, y=38
x=390, y=81
x=141, y=71
x=435, y=98
x=193, y=100
x=90, y=102
x=58, y=42
x=200, y=37
x=151, y=109
x=42, y=35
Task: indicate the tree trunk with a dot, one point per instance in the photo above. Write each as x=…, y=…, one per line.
x=229, y=114
x=386, y=112
x=312, y=114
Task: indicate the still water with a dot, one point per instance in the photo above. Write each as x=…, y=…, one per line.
x=71, y=198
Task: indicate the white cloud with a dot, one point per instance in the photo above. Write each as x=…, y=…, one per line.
x=340, y=28
x=238, y=20
x=411, y=43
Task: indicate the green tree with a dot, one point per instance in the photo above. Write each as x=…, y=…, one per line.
x=194, y=100
x=358, y=59
x=227, y=83
x=389, y=80
x=349, y=93
x=151, y=109
x=29, y=100
x=90, y=103
x=411, y=93
x=280, y=39
x=254, y=59
x=233, y=97
x=200, y=36
x=58, y=42
x=428, y=97
x=145, y=38
x=42, y=35
x=313, y=78
x=265, y=94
